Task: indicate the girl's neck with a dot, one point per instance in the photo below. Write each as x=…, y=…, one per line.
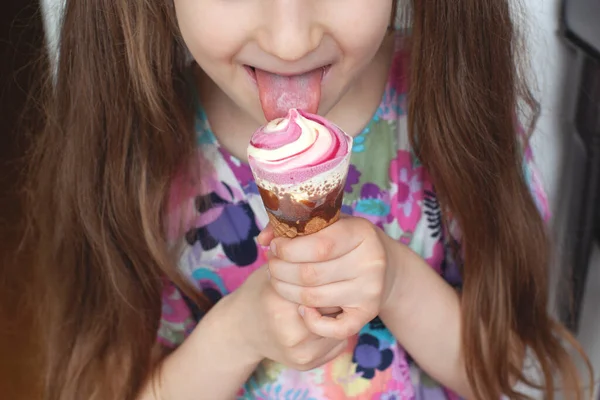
x=233, y=127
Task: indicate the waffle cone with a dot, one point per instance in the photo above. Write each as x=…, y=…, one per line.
x=315, y=224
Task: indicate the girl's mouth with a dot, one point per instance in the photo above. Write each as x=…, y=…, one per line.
x=279, y=92
x=252, y=72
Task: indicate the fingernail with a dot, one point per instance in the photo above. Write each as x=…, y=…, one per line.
x=273, y=248
x=301, y=310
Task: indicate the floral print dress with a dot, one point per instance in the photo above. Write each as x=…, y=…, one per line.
x=386, y=184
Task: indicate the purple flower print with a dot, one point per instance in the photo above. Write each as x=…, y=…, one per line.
x=251, y=188
x=241, y=170
x=347, y=210
x=373, y=204
x=394, y=395
x=370, y=191
x=352, y=179
x=376, y=324
x=450, y=268
x=211, y=290
x=233, y=225
x=368, y=357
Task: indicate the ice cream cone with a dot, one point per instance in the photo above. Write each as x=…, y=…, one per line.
x=300, y=164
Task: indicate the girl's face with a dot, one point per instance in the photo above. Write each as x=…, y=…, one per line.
x=283, y=37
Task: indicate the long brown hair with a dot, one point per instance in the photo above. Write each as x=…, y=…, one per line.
x=118, y=125
x=116, y=129
x=466, y=83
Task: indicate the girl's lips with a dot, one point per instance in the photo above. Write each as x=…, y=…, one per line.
x=252, y=72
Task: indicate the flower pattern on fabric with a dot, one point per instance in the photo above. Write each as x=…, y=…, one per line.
x=216, y=221
x=352, y=179
x=233, y=226
x=408, y=190
x=369, y=357
x=177, y=320
x=242, y=172
x=358, y=145
x=373, y=205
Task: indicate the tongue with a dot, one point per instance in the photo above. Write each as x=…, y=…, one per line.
x=280, y=93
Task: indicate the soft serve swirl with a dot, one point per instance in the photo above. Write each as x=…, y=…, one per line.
x=297, y=148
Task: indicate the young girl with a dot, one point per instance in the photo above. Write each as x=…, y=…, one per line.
x=160, y=284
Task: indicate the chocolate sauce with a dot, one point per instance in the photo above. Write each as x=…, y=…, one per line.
x=298, y=213
x=270, y=200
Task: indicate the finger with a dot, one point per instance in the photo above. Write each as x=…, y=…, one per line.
x=328, y=244
x=314, y=274
x=266, y=236
x=334, y=295
x=347, y=324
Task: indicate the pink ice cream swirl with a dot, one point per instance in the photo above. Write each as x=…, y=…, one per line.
x=292, y=150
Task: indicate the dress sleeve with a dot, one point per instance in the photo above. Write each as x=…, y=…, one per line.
x=177, y=319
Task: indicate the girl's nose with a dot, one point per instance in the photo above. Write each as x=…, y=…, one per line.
x=290, y=30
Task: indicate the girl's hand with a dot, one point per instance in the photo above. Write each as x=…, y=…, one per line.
x=272, y=328
x=344, y=265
